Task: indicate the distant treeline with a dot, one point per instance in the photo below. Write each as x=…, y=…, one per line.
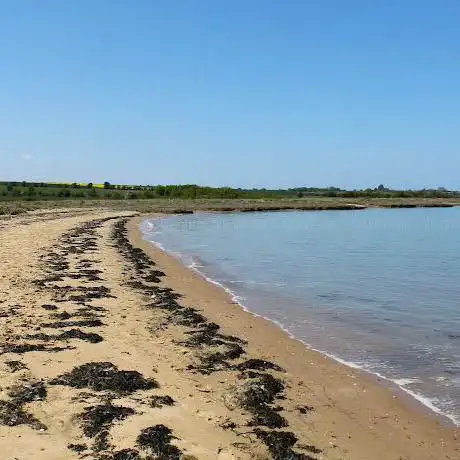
x=52, y=191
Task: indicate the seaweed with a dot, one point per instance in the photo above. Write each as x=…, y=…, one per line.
x=76, y=323
x=78, y=334
x=157, y=440
x=12, y=414
x=78, y=448
x=71, y=334
x=63, y=315
x=102, y=376
x=83, y=294
x=41, y=336
x=22, y=394
x=305, y=409
x=90, y=275
x=219, y=359
x=204, y=336
x=96, y=419
x=87, y=312
x=310, y=448
x=259, y=365
x=280, y=444
x=160, y=401
x=15, y=365
x=154, y=276
x=267, y=416
x=259, y=392
x=125, y=454
x=28, y=347
x=189, y=317
x=139, y=285
x=228, y=425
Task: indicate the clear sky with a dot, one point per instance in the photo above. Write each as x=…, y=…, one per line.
x=231, y=92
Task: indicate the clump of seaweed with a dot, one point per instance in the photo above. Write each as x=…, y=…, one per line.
x=77, y=323
x=81, y=294
x=218, y=360
x=12, y=413
x=71, y=334
x=257, y=396
x=78, y=448
x=16, y=366
x=125, y=454
x=88, y=274
x=280, y=444
x=96, y=419
x=157, y=441
x=78, y=334
x=259, y=365
x=189, y=317
x=305, y=409
x=102, y=376
x=86, y=312
x=160, y=401
x=21, y=394
x=28, y=347
x=62, y=316
x=154, y=276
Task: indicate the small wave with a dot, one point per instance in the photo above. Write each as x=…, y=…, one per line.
x=255, y=283
x=432, y=403
x=157, y=244
x=404, y=382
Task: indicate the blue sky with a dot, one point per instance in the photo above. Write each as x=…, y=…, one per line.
x=231, y=92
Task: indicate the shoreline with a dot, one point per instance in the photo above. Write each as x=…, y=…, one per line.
x=113, y=350
x=420, y=402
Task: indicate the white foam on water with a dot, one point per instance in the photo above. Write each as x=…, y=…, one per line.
x=431, y=403
x=404, y=382
x=401, y=383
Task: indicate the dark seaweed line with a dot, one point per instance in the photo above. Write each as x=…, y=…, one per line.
x=96, y=421
x=79, y=241
x=260, y=389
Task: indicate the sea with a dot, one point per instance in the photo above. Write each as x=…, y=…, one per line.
x=376, y=289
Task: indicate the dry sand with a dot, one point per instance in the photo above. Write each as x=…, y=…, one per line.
x=95, y=335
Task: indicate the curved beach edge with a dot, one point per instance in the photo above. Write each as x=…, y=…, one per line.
x=368, y=399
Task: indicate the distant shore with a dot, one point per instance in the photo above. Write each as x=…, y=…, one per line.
x=178, y=205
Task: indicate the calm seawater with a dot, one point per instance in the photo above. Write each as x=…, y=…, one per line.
x=377, y=288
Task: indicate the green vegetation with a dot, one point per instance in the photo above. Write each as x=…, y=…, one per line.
x=29, y=191
x=19, y=197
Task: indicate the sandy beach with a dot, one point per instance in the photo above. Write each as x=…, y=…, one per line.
x=111, y=349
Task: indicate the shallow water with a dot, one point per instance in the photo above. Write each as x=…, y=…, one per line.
x=377, y=288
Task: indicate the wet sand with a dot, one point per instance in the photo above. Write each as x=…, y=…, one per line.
x=111, y=349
